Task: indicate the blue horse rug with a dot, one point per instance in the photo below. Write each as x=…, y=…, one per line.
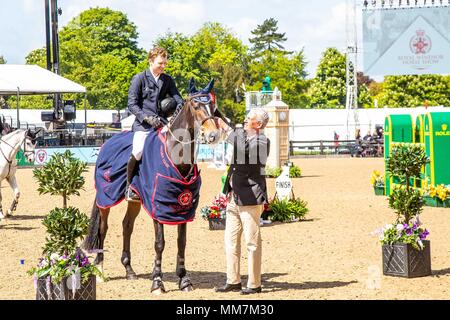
x=165, y=194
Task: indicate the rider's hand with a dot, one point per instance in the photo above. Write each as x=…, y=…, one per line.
x=154, y=121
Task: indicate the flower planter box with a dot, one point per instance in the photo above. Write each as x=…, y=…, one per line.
x=402, y=260
x=436, y=202
x=61, y=291
x=217, y=224
x=430, y=202
x=379, y=191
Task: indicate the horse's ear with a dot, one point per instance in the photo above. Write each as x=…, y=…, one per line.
x=209, y=87
x=192, y=88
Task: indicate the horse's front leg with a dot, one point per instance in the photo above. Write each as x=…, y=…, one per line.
x=128, y=225
x=185, y=283
x=13, y=183
x=157, y=285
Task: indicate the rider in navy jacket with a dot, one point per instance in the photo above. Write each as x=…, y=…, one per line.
x=152, y=98
x=145, y=95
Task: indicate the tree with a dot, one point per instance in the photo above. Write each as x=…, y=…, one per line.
x=213, y=52
x=266, y=37
x=365, y=100
x=2, y=60
x=328, y=89
x=104, y=31
x=98, y=49
x=287, y=72
x=415, y=90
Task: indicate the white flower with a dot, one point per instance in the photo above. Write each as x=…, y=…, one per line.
x=388, y=226
x=381, y=237
x=54, y=256
x=400, y=227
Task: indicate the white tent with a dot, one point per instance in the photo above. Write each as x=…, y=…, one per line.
x=31, y=79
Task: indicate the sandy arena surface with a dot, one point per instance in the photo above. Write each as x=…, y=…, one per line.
x=331, y=255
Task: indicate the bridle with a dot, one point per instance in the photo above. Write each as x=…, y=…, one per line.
x=197, y=98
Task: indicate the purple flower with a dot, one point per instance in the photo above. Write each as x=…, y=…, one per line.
x=85, y=262
x=409, y=232
x=424, y=234
x=414, y=227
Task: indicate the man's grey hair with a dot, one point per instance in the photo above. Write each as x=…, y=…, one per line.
x=261, y=116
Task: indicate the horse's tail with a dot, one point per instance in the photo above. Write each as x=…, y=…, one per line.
x=92, y=241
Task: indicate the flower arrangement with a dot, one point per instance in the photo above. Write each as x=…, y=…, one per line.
x=65, y=226
x=441, y=191
x=377, y=179
x=406, y=161
x=411, y=233
x=56, y=267
x=217, y=210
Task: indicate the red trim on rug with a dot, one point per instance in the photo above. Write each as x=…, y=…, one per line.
x=107, y=207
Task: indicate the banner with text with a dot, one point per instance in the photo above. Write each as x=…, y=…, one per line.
x=406, y=41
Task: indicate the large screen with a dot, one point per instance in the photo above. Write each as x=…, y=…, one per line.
x=406, y=41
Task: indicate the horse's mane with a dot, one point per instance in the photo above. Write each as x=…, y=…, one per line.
x=175, y=114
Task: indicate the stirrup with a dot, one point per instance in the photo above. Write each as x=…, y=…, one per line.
x=131, y=196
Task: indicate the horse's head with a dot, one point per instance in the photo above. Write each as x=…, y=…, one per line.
x=204, y=110
x=29, y=144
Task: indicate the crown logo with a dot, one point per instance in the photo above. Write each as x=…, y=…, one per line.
x=444, y=127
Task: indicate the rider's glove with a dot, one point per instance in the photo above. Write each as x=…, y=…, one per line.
x=154, y=121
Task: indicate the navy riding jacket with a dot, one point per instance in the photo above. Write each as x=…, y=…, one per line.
x=144, y=95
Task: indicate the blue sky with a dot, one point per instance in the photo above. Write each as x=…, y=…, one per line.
x=312, y=25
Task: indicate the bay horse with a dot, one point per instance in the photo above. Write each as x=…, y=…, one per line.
x=197, y=114
x=10, y=144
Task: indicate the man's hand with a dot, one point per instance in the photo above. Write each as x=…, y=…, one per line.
x=154, y=121
x=223, y=125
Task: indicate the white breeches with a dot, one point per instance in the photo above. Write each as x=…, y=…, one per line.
x=138, y=143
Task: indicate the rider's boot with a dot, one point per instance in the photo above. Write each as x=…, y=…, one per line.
x=130, y=195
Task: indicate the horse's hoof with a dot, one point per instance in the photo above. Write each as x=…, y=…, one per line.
x=131, y=276
x=189, y=288
x=158, y=292
x=157, y=287
x=8, y=213
x=185, y=284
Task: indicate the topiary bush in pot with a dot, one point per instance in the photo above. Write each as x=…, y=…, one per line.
x=406, y=253
x=64, y=272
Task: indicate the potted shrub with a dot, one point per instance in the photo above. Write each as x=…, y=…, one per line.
x=285, y=210
x=215, y=213
x=405, y=251
x=377, y=181
x=64, y=272
x=275, y=172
